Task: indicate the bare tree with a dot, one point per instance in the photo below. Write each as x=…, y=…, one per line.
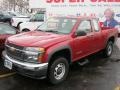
x=16, y=5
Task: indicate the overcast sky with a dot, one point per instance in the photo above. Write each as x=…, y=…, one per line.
x=1, y=1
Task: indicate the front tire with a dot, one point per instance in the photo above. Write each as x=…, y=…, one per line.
x=109, y=49
x=58, y=70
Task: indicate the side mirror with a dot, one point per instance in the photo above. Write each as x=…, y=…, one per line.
x=81, y=33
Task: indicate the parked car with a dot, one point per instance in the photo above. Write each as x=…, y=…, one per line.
x=5, y=17
x=48, y=51
x=5, y=32
x=14, y=14
x=35, y=21
x=16, y=21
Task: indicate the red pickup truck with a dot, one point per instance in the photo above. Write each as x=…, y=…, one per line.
x=49, y=50
x=5, y=32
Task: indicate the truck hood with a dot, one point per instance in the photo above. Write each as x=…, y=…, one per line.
x=37, y=39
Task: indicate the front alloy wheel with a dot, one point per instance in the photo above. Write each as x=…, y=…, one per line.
x=59, y=71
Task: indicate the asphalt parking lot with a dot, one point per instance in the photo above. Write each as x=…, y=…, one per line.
x=99, y=74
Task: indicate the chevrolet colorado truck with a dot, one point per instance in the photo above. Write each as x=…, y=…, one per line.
x=57, y=43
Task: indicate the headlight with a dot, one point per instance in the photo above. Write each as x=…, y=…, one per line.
x=33, y=50
x=34, y=53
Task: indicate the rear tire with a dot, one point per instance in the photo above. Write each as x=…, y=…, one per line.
x=58, y=70
x=109, y=49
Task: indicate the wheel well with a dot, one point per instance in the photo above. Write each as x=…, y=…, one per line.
x=112, y=39
x=24, y=30
x=18, y=24
x=65, y=53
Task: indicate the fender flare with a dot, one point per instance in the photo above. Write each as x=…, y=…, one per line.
x=59, y=49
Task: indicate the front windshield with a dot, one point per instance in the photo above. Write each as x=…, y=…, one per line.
x=12, y=14
x=58, y=25
x=37, y=17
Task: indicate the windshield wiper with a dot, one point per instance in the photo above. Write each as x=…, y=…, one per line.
x=40, y=30
x=52, y=31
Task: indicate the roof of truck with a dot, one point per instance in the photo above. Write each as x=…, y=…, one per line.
x=75, y=17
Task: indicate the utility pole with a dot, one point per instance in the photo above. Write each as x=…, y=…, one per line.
x=14, y=5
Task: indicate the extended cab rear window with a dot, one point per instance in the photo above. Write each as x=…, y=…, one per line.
x=95, y=25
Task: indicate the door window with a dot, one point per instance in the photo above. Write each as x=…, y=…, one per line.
x=38, y=17
x=85, y=25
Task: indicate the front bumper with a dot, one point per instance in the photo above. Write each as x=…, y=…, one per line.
x=36, y=71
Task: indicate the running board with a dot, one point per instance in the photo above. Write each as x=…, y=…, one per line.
x=83, y=62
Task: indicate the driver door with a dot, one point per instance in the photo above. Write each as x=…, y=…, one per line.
x=83, y=44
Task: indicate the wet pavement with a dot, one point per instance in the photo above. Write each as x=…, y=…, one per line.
x=100, y=74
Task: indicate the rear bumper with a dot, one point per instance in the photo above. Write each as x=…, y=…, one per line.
x=36, y=71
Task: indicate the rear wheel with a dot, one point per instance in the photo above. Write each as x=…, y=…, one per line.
x=109, y=49
x=58, y=70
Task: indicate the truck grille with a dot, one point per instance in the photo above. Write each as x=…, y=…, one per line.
x=15, y=52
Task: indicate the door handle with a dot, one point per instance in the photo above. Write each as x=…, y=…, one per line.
x=90, y=36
